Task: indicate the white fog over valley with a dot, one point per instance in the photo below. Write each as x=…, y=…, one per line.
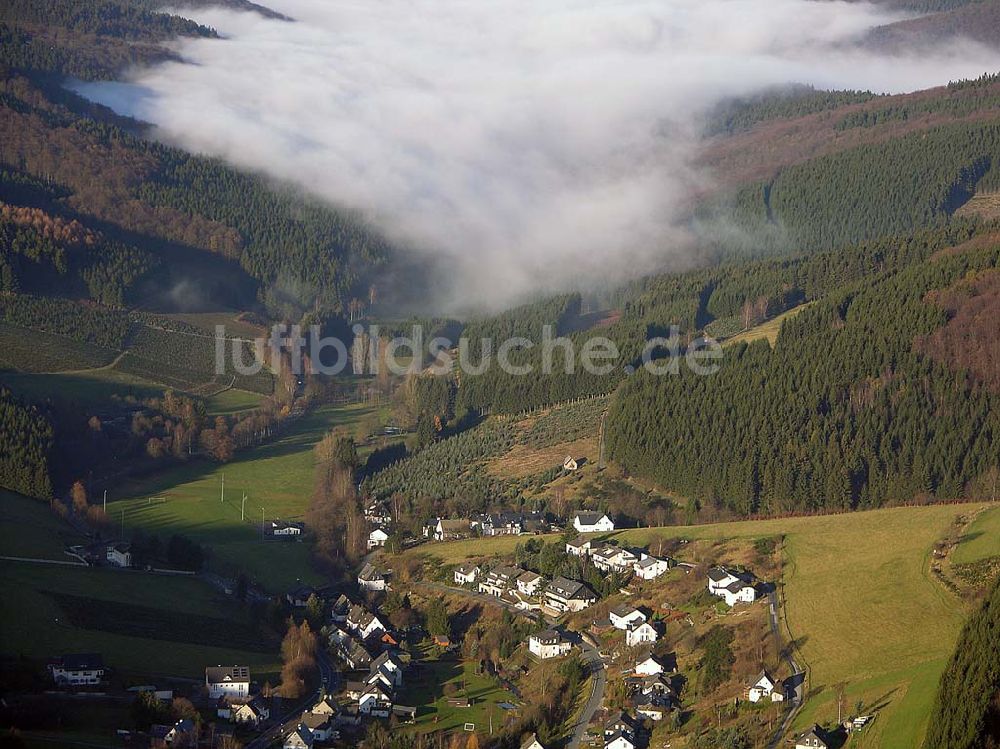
x=529, y=145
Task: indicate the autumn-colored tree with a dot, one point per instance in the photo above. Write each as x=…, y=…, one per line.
x=78, y=494
x=298, y=655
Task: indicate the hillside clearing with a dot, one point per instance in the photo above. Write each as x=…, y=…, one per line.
x=981, y=540
x=768, y=329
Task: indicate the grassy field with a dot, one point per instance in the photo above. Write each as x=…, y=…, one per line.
x=277, y=477
x=982, y=540
x=85, y=388
x=425, y=690
x=859, y=600
x=232, y=401
x=768, y=329
x=34, y=351
x=143, y=626
x=28, y=528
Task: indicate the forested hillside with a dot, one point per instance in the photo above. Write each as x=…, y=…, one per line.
x=26, y=447
x=838, y=415
x=967, y=712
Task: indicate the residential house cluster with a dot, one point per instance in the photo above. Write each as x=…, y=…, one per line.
x=317, y=724
x=486, y=524
x=650, y=692
x=610, y=558
x=732, y=586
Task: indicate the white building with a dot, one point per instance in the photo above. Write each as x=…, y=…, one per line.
x=466, y=574
x=377, y=538
x=649, y=567
x=300, y=738
x=731, y=587
x=531, y=742
x=529, y=583
x=120, y=555
x=228, y=681
x=764, y=688
x=624, y=616
x=81, y=668
x=563, y=594
x=648, y=666
x=500, y=580
x=592, y=522
x=548, y=644
x=641, y=634
x=251, y=713
x=619, y=740
x=613, y=559
x=579, y=547
x=370, y=578
x=283, y=528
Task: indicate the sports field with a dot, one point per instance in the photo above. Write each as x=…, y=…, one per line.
x=860, y=603
x=277, y=478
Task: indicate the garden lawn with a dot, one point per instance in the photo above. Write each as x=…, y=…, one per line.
x=424, y=689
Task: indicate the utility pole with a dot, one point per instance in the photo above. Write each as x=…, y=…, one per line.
x=105, y=502
x=223, y=487
x=243, y=506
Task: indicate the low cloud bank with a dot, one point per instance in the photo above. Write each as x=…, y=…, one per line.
x=524, y=145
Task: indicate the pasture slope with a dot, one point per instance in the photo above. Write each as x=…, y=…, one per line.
x=859, y=601
x=144, y=626
x=277, y=477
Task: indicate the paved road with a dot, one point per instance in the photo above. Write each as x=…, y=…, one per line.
x=287, y=722
x=598, y=681
x=798, y=680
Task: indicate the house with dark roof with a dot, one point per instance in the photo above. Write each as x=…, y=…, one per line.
x=370, y=578
x=812, y=739
x=300, y=738
x=592, y=522
x=563, y=594
x=119, y=554
x=548, y=644
x=451, y=530
x=77, y=669
x=764, y=687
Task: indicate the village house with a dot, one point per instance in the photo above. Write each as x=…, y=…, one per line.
x=499, y=581
x=120, y=554
x=387, y=669
x=300, y=596
x=251, y=713
x=377, y=538
x=529, y=583
x=370, y=578
x=285, y=529
x=613, y=559
x=548, y=644
x=300, y=738
x=377, y=513
x=811, y=739
x=563, y=594
x=498, y=524
x=232, y=682
x=374, y=701
x=578, y=547
x=648, y=665
x=592, y=522
x=466, y=574
x=184, y=732
x=341, y=607
x=619, y=732
x=641, y=634
x=624, y=616
x=764, y=688
x=321, y=726
x=649, y=567
x=451, y=530
x=77, y=669
x=531, y=742
x=356, y=656
x=363, y=623
x=652, y=706
x=730, y=587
